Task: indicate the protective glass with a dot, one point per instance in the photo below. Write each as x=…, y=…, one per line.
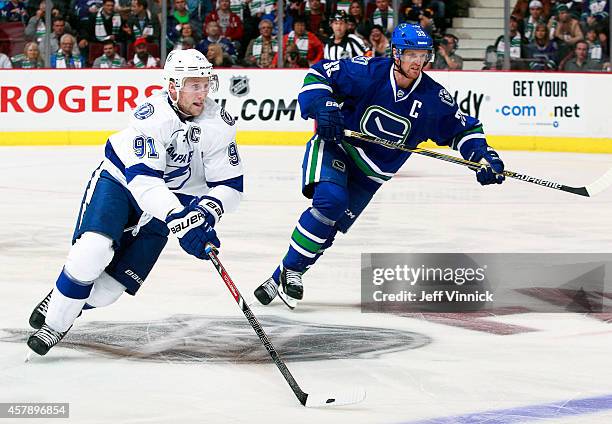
x=201, y=86
x=196, y=86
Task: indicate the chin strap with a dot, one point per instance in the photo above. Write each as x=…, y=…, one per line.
x=174, y=104
x=397, y=60
x=399, y=68
x=182, y=114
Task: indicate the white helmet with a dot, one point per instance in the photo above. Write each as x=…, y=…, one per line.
x=181, y=64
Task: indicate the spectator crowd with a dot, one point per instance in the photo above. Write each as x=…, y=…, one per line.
x=544, y=34
x=561, y=35
x=127, y=33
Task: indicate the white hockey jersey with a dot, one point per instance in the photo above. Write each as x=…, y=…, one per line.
x=160, y=156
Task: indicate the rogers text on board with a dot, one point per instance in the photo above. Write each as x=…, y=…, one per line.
x=72, y=98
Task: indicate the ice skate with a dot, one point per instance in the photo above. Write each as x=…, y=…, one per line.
x=44, y=339
x=267, y=291
x=292, y=284
x=37, y=318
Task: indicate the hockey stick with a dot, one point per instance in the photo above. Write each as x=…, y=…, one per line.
x=589, y=190
x=306, y=399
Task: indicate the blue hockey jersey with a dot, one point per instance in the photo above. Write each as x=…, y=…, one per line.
x=372, y=103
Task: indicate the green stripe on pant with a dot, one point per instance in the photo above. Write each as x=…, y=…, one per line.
x=305, y=242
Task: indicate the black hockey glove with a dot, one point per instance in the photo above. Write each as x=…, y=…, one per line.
x=476, y=150
x=330, y=122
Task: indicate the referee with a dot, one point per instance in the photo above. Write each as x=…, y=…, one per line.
x=342, y=45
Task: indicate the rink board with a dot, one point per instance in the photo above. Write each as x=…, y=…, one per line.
x=520, y=111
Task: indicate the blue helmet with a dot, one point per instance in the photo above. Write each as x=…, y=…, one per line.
x=410, y=37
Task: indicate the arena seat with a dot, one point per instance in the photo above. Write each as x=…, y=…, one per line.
x=12, y=39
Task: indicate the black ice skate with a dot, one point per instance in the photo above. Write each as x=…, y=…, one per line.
x=44, y=339
x=290, y=289
x=292, y=284
x=37, y=318
x=267, y=291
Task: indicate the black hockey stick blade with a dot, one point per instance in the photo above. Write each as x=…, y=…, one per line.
x=308, y=400
x=590, y=190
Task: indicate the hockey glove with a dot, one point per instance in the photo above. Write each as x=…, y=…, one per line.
x=476, y=150
x=330, y=122
x=193, y=226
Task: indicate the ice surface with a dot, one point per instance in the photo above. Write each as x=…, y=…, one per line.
x=182, y=352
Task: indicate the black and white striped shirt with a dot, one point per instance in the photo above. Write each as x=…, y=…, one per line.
x=350, y=46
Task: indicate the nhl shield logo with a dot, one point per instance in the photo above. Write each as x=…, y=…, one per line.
x=446, y=97
x=239, y=86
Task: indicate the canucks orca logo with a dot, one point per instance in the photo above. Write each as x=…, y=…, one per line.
x=379, y=122
x=144, y=111
x=180, y=339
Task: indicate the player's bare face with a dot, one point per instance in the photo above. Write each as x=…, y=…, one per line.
x=411, y=63
x=193, y=95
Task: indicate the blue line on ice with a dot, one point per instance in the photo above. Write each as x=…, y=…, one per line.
x=528, y=413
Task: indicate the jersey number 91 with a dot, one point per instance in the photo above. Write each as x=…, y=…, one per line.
x=145, y=146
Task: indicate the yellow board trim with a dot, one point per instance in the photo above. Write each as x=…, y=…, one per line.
x=276, y=138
